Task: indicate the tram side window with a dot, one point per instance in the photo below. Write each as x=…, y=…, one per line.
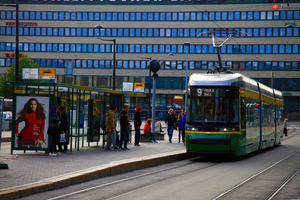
x=243, y=113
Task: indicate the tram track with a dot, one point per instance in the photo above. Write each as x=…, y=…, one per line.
x=135, y=177
x=237, y=187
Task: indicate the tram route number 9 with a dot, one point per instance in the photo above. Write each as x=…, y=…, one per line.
x=205, y=92
x=199, y=92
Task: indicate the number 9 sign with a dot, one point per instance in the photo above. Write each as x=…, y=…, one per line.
x=199, y=92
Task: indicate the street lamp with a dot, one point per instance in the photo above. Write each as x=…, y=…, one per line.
x=16, y=40
x=149, y=93
x=114, y=55
x=187, y=45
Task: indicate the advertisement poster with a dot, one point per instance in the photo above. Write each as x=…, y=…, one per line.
x=31, y=123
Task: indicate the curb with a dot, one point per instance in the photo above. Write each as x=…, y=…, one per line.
x=114, y=168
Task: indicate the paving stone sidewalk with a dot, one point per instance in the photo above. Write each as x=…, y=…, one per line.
x=33, y=166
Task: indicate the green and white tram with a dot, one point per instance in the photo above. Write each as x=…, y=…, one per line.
x=232, y=114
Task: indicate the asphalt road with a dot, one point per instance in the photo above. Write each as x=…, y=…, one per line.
x=198, y=178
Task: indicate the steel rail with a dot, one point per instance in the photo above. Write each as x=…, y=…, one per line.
x=277, y=190
x=224, y=194
x=128, y=179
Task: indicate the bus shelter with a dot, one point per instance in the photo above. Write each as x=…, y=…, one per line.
x=86, y=109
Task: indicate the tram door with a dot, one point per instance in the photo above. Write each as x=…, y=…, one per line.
x=96, y=120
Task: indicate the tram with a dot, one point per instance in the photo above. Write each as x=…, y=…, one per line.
x=232, y=114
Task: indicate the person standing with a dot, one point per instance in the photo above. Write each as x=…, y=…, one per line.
x=53, y=130
x=124, y=123
x=171, y=122
x=285, y=128
x=180, y=115
x=63, y=129
x=182, y=126
x=111, y=124
x=147, y=130
x=137, y=126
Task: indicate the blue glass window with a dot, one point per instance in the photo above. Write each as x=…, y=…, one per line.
x=256, y=15
x=67, y=16
x=114, y=16
x=67, y=31
x=61, y=16
x=237, y=15
x=282, y=31
x=275, y=32
x=296, y=14
x=50, y=15
x=288, y=48
x=120, y=32
x=256, y=32
x=26, y=15
x=290, y=14
x=268, y=48
x=276, y=15
x=180, y=32
x=144, y=32
x=91, y=32
x=296, y=32
x=132, y=16
x=295, y=48
x=255, y=48
x=55, y=47
x=243, y=15
x=3, y=16
x=127, y=17
x=289, y=31
x=114, y=32
x=150, y=32
x=37, y=47
x=108, y=32
x=230, y=15
x=126, y=32
x=102, y=15
x=55, y=15
x=224, y=16
x=218, y=16
x=250, y=16
x=243, y=48
x=144, y=16
x=55, y=31
x=199, y=16
x=138, y=48
x=229, y=48
x=282, y=14
x=269, y=32
x=174, y=32
x=262, y=48
x=186, y=32
x=204, y=48
x=78, y=31
x=49, y=31
x=44, y=31
x=108, y=16
x=150, y=16
x=162, y=32
x=275, y=49
x=73, y=16
x=138, y=16
x=193, y=16
x=162, y=16
x=274, y=65
x=187, y=16
x=121, y=16
x=269, y=15
x=262, y=32
x=205, y=16
x=263, y=15
x=281, y=48
x=97, y=16
x=169, y=16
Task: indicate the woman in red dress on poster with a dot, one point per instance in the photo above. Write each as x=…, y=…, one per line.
x=33, y=114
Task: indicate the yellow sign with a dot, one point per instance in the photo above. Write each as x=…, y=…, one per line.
x=139, y=87
x=47, y=73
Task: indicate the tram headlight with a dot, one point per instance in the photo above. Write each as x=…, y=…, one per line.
x=226, y=129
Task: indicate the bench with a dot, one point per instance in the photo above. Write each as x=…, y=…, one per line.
x=146, y=137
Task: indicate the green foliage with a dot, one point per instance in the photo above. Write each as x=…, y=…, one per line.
x=24, y=62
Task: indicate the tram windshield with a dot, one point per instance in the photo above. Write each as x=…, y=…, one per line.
x=214, y=105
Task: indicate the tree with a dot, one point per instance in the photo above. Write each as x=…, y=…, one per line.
x=24, y=62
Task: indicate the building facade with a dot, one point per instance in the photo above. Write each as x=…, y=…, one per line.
x=59, y=33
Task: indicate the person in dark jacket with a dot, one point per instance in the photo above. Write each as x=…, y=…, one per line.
x=53, y=130
x=63, y=128
x=124, y=123
x=137, y=126
x=171, y=122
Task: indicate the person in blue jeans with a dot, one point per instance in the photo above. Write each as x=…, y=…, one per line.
x=147, y=130
x=182, y=126
x=171, y=122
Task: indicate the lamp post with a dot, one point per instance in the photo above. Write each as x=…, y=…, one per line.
x=149, y=93
x=187, y=45
x=114, y=55
x=16, y=39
